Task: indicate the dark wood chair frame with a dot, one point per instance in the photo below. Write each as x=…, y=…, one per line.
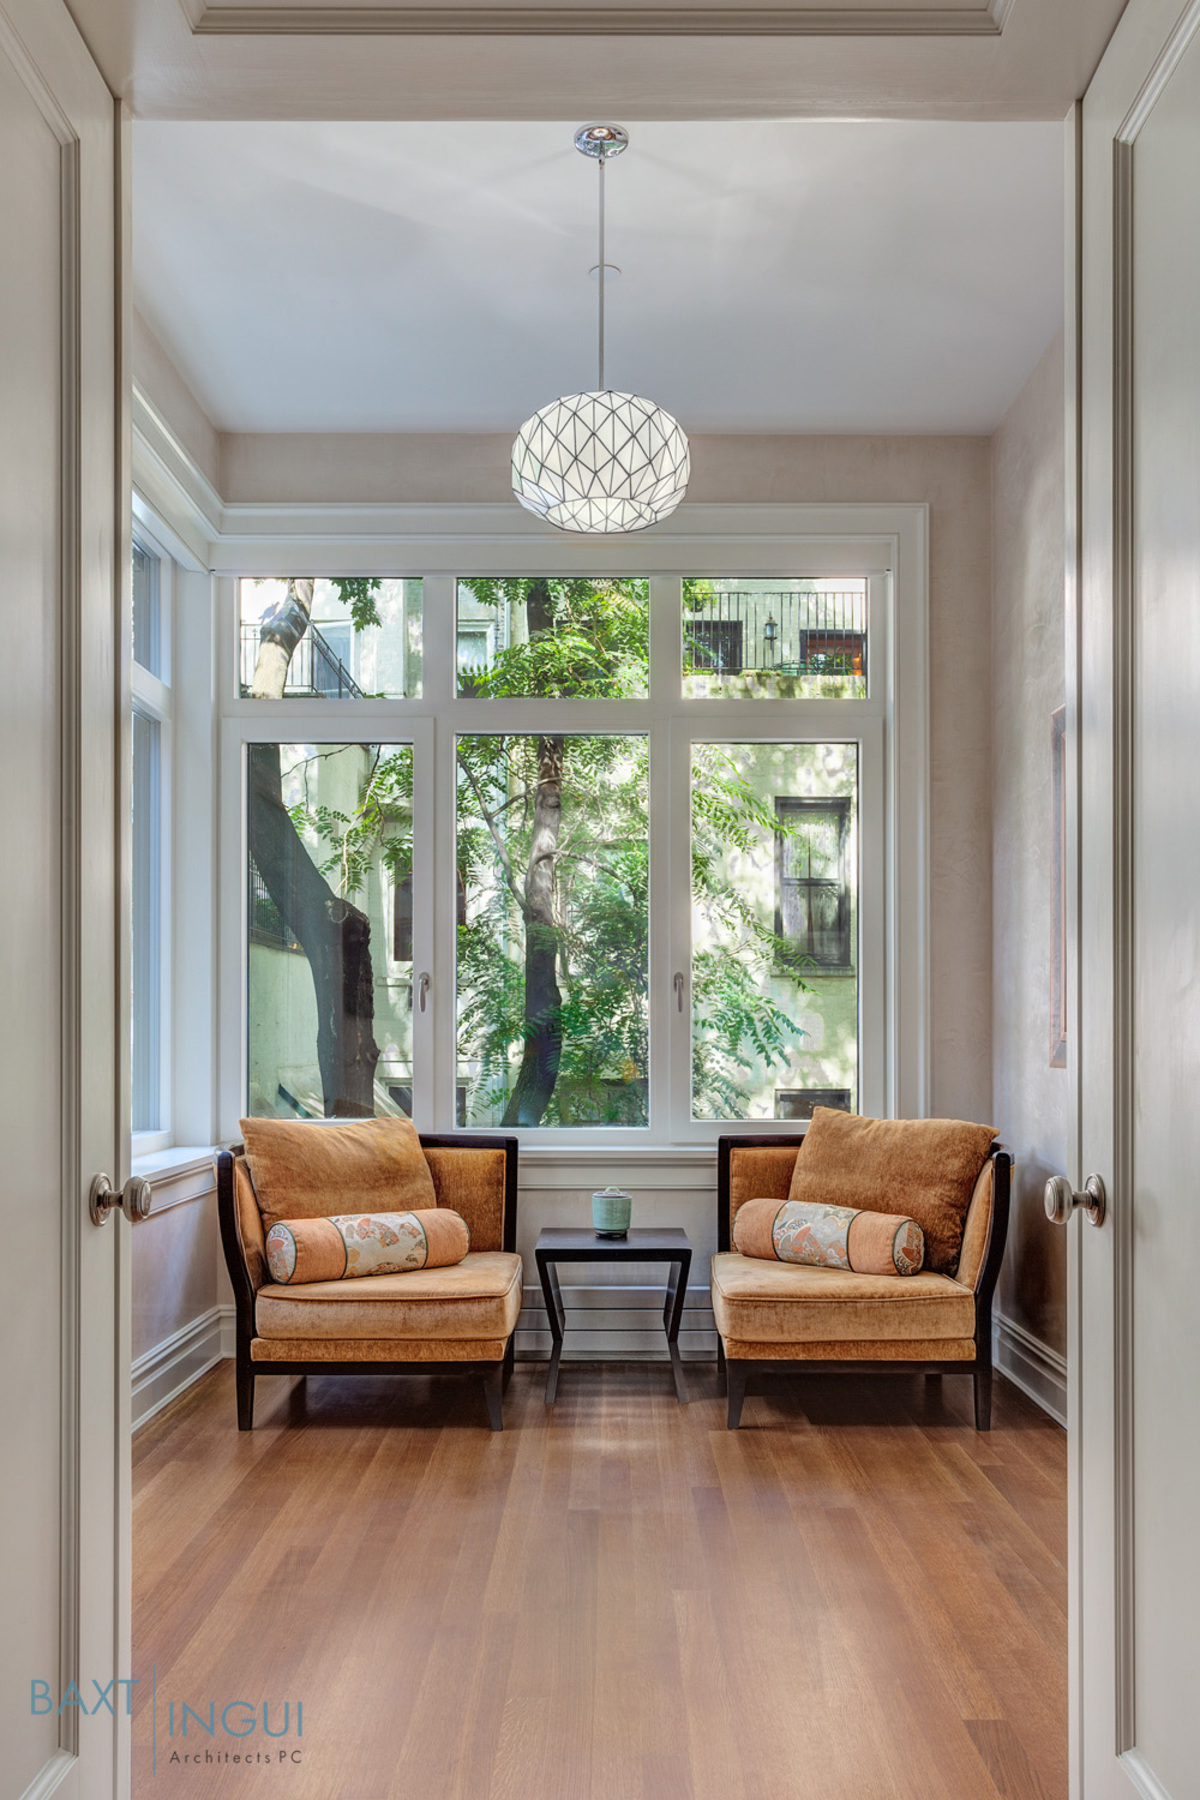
x=494, y=1375
x=736, y=1370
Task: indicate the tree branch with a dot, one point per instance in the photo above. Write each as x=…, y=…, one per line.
x=497, y=840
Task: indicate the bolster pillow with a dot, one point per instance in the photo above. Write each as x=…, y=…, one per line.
x=348, y=1244
x=831, y=1237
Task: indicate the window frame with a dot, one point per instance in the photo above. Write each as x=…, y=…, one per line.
x=888, y=545
x=152, y=697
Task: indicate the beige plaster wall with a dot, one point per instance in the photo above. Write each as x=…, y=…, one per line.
x=1028, y=674
x=176, y=1271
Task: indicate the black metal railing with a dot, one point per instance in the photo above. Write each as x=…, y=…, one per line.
x=316, y=671
x=265, y=919
x=778, y=633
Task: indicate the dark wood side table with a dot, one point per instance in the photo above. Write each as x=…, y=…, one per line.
x=667, y=1246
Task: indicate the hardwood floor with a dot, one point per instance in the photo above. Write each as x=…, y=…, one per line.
x=855, y=1597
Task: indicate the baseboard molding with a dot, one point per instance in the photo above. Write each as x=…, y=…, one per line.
x=162, y=1373
x=1032, y=1366
x=616, y=1323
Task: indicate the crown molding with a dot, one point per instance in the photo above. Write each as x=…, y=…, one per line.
x=987, y=21
x=168, y=482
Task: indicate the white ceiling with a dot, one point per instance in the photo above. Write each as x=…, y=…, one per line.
x=787, y=276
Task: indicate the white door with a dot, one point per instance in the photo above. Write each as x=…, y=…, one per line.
x=63, y=1423
x=1135, y=1299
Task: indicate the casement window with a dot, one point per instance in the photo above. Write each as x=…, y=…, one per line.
x=597, y=854
x=152, y=599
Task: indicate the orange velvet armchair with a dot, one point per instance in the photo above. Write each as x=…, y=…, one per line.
x=458, y=1320
x=781, y=1318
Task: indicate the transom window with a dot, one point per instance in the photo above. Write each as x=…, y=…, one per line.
x=588, y=855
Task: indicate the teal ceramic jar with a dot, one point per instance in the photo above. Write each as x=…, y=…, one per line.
x=612, y=1209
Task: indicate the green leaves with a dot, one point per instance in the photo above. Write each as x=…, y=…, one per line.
x=379, y=828
x=568, y=638
x=358, y=593
x=740, y=1027
x=600, y=930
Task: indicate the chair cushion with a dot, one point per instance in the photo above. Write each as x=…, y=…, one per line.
x=310, y=1171
x=924, y=1169
x=347, y=1245
x=775, y=1303
x=829, y=1237
x=480, y=1297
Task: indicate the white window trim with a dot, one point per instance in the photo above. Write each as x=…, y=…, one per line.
x=152, y=696
x=887, y=543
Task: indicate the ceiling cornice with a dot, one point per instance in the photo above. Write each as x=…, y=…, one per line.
x=624, y=21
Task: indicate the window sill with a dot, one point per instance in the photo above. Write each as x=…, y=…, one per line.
x=183, y=1173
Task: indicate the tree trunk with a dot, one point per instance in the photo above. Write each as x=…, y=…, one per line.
x=334, y=936
x=542, y=1055
x=279, y=631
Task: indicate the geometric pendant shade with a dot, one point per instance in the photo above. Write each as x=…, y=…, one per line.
x=601, y=462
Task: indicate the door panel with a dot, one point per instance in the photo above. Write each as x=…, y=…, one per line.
x=30, y=947
x=1165, y=966
x=62, y=799
x=1135, y=1336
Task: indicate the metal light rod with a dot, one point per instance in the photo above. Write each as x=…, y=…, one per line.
x=601, y=142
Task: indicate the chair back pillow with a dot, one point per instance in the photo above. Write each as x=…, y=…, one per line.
x=923, y=1169
x=344, y=1245
x=829, y=1237
x=313, y=1171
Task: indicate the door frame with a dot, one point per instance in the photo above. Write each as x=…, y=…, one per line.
x=40, y=40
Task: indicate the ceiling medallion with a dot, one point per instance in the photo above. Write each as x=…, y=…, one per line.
x=602, y=461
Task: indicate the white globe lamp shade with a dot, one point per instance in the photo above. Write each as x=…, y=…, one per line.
x=601, y=462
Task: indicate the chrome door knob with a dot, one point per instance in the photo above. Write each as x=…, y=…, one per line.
x=134, y=1200
x=1061, y=1199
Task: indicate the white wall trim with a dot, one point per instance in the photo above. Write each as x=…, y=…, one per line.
x=162, y=1373
x=182, y=505
x=51, y=1776
x=1034, y=1367
x=616, y=1324
x=178, y=1176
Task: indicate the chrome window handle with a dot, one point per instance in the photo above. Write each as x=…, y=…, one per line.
x=423, y=985
x=679, y=991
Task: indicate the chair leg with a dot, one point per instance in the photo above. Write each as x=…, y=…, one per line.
x=510, y=1357
x=720, y=1354
x=493, y=1393
x=245, y=1394
x=983, y=1398
x=735, y=1387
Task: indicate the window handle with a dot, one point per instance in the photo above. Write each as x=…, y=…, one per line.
x=679, y=991
x=422, y=990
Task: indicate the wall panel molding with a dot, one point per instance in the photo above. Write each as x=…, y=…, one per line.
x=162, y=1373
x=1034, y=1367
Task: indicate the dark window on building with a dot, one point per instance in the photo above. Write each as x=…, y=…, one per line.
x=715, y=644
x=813, y=914
x=798, y=1103
x=402, y=920
x=401, y=1093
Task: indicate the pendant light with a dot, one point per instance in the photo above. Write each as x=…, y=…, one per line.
x=603, y=461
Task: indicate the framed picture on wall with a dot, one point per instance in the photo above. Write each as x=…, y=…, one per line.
x=1058, y=882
